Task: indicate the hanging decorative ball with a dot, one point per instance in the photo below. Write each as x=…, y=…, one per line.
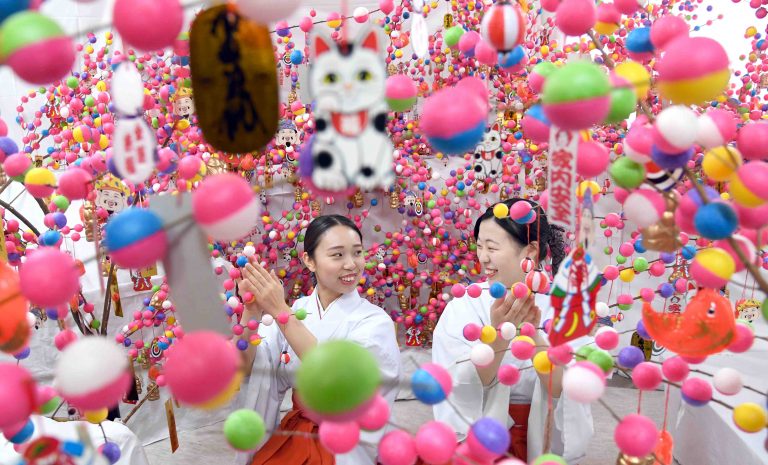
x=397, y=448
x=244, y=429
x=339, y=437
x=135, y=238
x=17, y=395
x=537, y=281
x=636, y=435
x=225, y=207
x=49, y=277
x=376, y=415
x=750, y=417
x=431, y=383
x=435, y=443
x=503, y=26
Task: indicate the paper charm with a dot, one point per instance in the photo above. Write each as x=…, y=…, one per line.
x=706, y=327
x=127, y=90
x=419, y=34
x=351, y=146
x=573, y=297
x=563, y=146
x=133, y=149
x=234, y=80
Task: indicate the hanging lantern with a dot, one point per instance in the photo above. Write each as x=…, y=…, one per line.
x=503, y=26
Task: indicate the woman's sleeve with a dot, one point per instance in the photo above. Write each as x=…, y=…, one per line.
x=469, y=399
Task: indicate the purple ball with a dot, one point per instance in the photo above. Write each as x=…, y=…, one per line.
x=111, y=451
x=7, y=147
x=242, y=344
x=666, y=290
x=60, y=219
x=630, y=357
x=305, y=159
x=642, y=331
x=23, y=354
x=670, y=161
x=667, y=257
x=492, y=435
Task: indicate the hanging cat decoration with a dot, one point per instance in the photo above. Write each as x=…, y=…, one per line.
x=351, y=147
x=488, y=157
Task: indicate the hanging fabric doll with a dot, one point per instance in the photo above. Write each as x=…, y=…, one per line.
x=351, y=146
x=488, y=158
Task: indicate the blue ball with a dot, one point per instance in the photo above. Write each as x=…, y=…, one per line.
x=23, y=354
x=715, y=221
x=688, y=252
x=111, y=451
x=639, y=40
x=461, y=142
x=50, y=238
x=242, y=260
x=426, y=388
x=24, y=434
x=511, y=58
x=129, y=227
x=7, y=145
x=498, y=290
x=297, y=57
x=639, y=248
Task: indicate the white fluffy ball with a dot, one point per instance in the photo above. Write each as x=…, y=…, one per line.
x=481, y=355
x=583, y=385
x=728, y=381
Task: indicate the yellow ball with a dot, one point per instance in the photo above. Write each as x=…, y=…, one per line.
x=720, y=163
x=182, y=125
x=750, y=417
x=101, y=86
x=40, y=177
x=544, y=50
x=717, y=261
x=103, y=142
x=77, y=134
x=96, y=416
x=582, y=188
x=225, y=396
x=751, y=31
x=742, y=195
x=542, y=364
x=500, y=211
x=636, y=75
x=695, y=91
x=488, y=334
x=627, y=275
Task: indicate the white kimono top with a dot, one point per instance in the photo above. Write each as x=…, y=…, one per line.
x=349, y=317
x=573, y=427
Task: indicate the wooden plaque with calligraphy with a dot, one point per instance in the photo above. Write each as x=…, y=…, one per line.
x=234, y=78
x=171, y=417
x=561, y=210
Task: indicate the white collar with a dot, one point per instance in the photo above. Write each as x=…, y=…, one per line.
x=343, y=299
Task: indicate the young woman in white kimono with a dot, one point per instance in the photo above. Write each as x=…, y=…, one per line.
x=502, y=245
x=333, y=251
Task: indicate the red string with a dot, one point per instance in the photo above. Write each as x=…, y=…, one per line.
x=666, y=409
x=639, y=401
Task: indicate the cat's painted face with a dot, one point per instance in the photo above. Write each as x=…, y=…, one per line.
x=347, y=79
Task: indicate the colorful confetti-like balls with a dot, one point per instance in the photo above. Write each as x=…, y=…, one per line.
x=375, y=416
x=712, y=267
x=435, y=443
x=339, y=437
x=644, y=207
x=75, y=183
x=753, y=141
x=452, y=128
x=750, y=417
x=92, y=374
x=488, y=439
x=225, y=207
x=337, y=380
x=584, y=383
x=749, y=186
x=503, y=26
x=36, y=47
x=135, y=238
x=717, y=127
x=203, y=370
x=696, y=392
x=720, y=163
x=401, y=92
x=397, y=448
x=693, y=70
x=40, y=182
x=636, y=435
x=431, y=383
x=14, y=327
x=148, y=24
x=627, y=173
x=576, y=96
x=49, y=277
x=244, y=429
x=17, y=395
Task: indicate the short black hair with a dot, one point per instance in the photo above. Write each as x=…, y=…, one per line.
x=549, y=237
x=320, y=225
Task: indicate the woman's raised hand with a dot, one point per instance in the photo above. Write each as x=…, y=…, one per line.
x=266, y=288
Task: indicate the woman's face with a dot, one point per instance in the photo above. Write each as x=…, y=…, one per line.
x=500, y=255
x=338, y=260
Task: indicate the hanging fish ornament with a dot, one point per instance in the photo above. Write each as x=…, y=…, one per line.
x=706, y=327
x=234, y=80
x=574, y=296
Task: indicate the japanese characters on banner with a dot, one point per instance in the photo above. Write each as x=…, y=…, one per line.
x=561, y=210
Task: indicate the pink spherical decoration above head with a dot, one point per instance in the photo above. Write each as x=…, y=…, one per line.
x=148, y=24
x=397, y=448
x=49, y=277
x=200, y=367
x=225, y=207
x=519, y=210
x=435, y=443
x=636, y=435
x=17, y=394
x=339, y=437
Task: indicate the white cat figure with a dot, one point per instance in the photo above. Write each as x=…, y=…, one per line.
x=488, y=156
x=351, y=145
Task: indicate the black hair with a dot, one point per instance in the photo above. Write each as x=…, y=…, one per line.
x=550, y=237
x=320, y=225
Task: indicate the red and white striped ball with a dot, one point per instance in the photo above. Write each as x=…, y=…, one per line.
x=537, y=281
x=503, y=26
x=526, y=264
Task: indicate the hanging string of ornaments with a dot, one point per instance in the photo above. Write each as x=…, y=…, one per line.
x=689, y=172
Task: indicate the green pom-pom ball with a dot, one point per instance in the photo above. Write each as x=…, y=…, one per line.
x=244, y=429
x=627, y=173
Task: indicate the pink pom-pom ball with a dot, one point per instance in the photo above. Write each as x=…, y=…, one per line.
x=717, y=127
x=485, y=53
x=747, y=248
x=44, y=61
x=148, y=24
x=75, y=183
x=458, y=291
x=644, y=207
x=519, y=210
x=561, y=354
x=523, y=347
x=64, y=338
x=508, y=375
x=49, y=277
x=520, y=290
x=375, y=416
x=675, y=369
x=693, y=360
x=752, y=218
x=753, y=141
x=397, y=448
x=696, y=392
x=17, y=395
x=639, y=142
x=435, y=443
x=611, y=272
x=646, y=376
x=743, y=339
x=306, y=24
x=474, y=291
x=592, y=159
x=666, y=29
x=576, y=17
x=225, y=207
x=16, y=165
x=339, y=437
x=468, y=41
x=472, y=332
x=627, y=7
x=607, y=338
x=636, y=435
x=583, y=384
x=527, y=329
x=675, y=129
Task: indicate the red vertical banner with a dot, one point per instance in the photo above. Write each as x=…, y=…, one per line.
x=561, y=180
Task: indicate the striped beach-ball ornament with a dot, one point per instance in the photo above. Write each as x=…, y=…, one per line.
x=537, y=281
x=503, y=26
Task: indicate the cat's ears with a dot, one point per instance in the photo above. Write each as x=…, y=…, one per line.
x=321, y=44
x=370, y=40
x=496, y=127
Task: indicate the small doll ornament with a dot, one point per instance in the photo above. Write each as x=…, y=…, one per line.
x=663, y=236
